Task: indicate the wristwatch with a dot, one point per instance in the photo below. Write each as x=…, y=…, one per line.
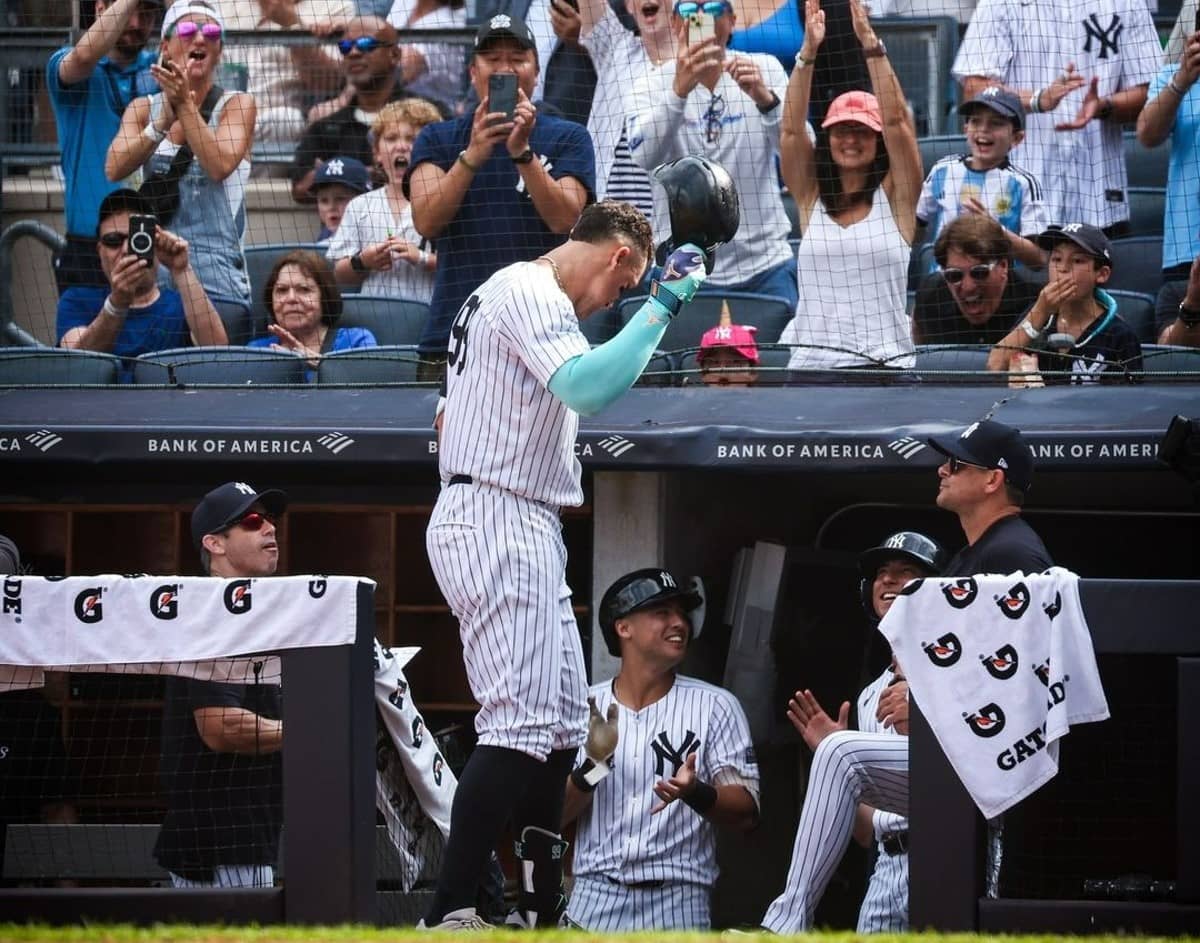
x=878, y=51
x=1104, y=112
x=357, y=263
x=524, y=157
x=1189, y=316
x=769, y=106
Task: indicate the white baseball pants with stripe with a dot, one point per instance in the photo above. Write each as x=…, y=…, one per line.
x=848, y=767
x=501, y=564
x=604, y=906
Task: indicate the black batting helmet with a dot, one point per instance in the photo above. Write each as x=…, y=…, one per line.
x=703, y=203
x=643, y=588
x=907, y=545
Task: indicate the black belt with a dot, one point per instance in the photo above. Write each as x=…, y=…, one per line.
x=895, y=843
x=461, y=480
x=635, y=885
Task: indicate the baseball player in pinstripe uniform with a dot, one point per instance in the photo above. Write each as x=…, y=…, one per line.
x=883, y=717
x=519, y=373
x=643, y=860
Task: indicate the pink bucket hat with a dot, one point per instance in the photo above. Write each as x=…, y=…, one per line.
x=862, y=107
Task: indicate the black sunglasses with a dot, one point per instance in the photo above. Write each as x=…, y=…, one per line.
x=957, y=465
x=364, y=44
x=114, y=239
x=977, y=272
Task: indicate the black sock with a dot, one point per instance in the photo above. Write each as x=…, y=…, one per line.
x=487, y=791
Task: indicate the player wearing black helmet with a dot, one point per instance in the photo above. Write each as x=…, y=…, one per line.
x=655, y=736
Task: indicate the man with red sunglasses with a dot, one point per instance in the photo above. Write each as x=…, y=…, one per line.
x=221, y=764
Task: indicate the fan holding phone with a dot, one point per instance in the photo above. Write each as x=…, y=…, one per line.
x=500, y=185
x=730, y=115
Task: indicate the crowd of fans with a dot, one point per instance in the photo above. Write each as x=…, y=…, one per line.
x=430, y=167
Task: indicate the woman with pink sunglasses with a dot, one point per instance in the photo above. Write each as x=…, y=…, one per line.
x=217, y=128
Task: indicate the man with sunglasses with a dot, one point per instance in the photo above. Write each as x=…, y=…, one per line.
x=370, y=62
x=89, y=85
x=221, y=763
x=727, y=108
x=130, y=314
x=984, y=480
x=976, y=296
x=281, y=77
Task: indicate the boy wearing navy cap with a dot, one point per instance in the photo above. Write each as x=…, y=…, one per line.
x=1073, y=328
x=984, y=181
x=336, y=182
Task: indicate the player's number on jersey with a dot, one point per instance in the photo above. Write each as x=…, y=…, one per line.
x=457, y=356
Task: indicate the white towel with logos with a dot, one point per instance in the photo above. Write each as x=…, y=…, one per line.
x=1001, y=665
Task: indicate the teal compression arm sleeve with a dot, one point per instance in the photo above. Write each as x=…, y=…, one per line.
x=591, y=381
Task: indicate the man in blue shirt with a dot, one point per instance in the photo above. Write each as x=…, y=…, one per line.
x=90, y=84
x=494, y=190
x=129, y=315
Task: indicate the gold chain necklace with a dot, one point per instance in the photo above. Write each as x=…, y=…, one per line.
x=554, y=269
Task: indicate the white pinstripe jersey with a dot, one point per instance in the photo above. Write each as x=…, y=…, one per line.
x=1026, y=44
x=868, y=704
x=502, y=426
x=617, y=837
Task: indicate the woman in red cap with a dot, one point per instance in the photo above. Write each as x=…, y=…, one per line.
x=856, y=189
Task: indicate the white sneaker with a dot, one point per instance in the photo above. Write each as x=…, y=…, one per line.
x=463, y=919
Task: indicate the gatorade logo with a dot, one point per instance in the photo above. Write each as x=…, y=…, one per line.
x=164, y=601
x=237, y=597
x=317, y=587
x=88, y=608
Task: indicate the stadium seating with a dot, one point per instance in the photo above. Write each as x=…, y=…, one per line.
x=601, y=326
x=955, y=363
x=29, y=366
x=228, y=366
x=793, y=213
x=259, y=262
x=1137, y=310
x=921, y=50
x=935, y=148
x=920, y=262
x=1145, y=167
x=1137, y=264
x=235, y=315
x=386, y=364
x=1146, y=205
x=1158, y=361
x=393, y=321
x=768, y=313
x=660, y=371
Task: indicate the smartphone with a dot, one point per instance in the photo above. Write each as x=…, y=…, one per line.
x=701, y=26
x=1196, y=22
x=502, y=93
x=142, y=230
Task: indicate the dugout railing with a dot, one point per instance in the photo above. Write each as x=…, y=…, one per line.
x=328, y=812
x=947, y=892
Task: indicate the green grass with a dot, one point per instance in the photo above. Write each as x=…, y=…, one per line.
x=184, y=933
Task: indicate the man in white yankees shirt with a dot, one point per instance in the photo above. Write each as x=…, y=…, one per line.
x=882, y=709
x=519, y=373
x=645, y=848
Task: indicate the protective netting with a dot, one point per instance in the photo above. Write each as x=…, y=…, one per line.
x=321, y=182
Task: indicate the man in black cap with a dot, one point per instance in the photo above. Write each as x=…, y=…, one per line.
x=495, y=172
x=984, y=480
x=221, y=764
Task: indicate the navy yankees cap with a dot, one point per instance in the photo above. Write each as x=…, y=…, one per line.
x=505, y=25
x=1001, y=101
x=347, y=171
x=991, y=444
x=1090, y=239
x=225, y=505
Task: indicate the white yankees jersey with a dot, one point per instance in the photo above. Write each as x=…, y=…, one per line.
x=885, y=904
x=617, y=838
x=1026, y=44
x=502, y=426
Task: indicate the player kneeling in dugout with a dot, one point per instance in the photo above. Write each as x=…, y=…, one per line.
x=667, y=760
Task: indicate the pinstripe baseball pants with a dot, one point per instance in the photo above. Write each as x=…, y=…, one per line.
x=848, y=767
x=605, y=906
